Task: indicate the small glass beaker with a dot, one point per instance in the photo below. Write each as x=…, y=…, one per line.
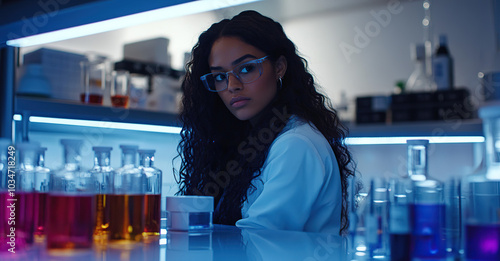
x=70, y=203
x=95, y=71
x=139, y=87
x=120, y=89
x=190, y=213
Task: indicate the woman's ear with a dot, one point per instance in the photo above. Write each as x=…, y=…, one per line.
x=280, y=67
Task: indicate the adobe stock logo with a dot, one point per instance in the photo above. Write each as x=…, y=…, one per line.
x=362, y=38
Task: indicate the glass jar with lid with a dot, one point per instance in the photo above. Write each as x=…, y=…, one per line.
x=126, y=203
x=27, y=153
x=103, y=174
x=427, y=206
x=70, y=203
x=153, y=193
x=42, y=177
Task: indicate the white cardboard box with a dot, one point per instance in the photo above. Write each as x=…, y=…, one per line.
x=152, y=50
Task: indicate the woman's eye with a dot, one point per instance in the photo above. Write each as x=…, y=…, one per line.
x=247, y=68
x=220, y=77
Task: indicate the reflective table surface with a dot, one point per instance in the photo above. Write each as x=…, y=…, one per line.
x=220, y=243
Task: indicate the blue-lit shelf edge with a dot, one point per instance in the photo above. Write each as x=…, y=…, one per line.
x=402, y=140
x=102, y=124
x=72, y=22
x=98, y=116
x=450, y=131
x=176, y=130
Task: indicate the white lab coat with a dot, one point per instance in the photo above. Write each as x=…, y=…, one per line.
x=299, y=188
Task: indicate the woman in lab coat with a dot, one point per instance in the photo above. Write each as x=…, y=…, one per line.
x=257, y=135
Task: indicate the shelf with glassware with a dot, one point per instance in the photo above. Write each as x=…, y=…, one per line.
x=418, y=113
x=452, y=127
x=43, y=107
x=71, y=110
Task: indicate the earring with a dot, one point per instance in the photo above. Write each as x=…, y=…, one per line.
x=280, y=84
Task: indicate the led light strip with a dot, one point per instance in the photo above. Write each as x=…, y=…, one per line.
x=126, y=21
x=402, y=140
x=177, y=130
x=103, y=124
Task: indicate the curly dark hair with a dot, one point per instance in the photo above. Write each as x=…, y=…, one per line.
x=212, y=138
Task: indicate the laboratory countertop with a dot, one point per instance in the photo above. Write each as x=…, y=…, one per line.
x=221, y=243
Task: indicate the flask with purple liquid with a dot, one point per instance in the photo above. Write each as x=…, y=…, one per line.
x=482, y=195
x=427, y=206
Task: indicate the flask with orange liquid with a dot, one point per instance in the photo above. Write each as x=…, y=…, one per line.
x=126, y=203
x=153, y=194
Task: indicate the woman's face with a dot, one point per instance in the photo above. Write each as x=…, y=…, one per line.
x=244, y=100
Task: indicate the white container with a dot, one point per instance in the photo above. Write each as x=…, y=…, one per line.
x=164, y=97
x=62, y=69
x=190, y=213
x=150, y=50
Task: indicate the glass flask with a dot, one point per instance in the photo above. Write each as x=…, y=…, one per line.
x=353, y=215
x=5, y=198
x=70, y=203
x=419, y=79
x=42, y=177
x=153, y=193
x=27, y=153
x=376, y=217
x=120, y=88
x=95, y=74
x=103, y=173
x=427, y=206
x=126, y=204
x=482, y=195
x=454, y=230
x=399, y=223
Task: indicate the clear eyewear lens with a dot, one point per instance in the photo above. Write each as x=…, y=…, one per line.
x=245, y=73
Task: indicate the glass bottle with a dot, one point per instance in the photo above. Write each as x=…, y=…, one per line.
x=70, y=203
x=27, y=153
x=399, y=223
x=103, y=173
x=376, y=217
x=419, y=80
x=153, y=193
x=126, y=204
x=42, y=177
x=5, y=198
x=482, y=195
x=427, y=207
x=442, y=65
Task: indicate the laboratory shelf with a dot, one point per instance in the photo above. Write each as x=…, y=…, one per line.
x=43, y=107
